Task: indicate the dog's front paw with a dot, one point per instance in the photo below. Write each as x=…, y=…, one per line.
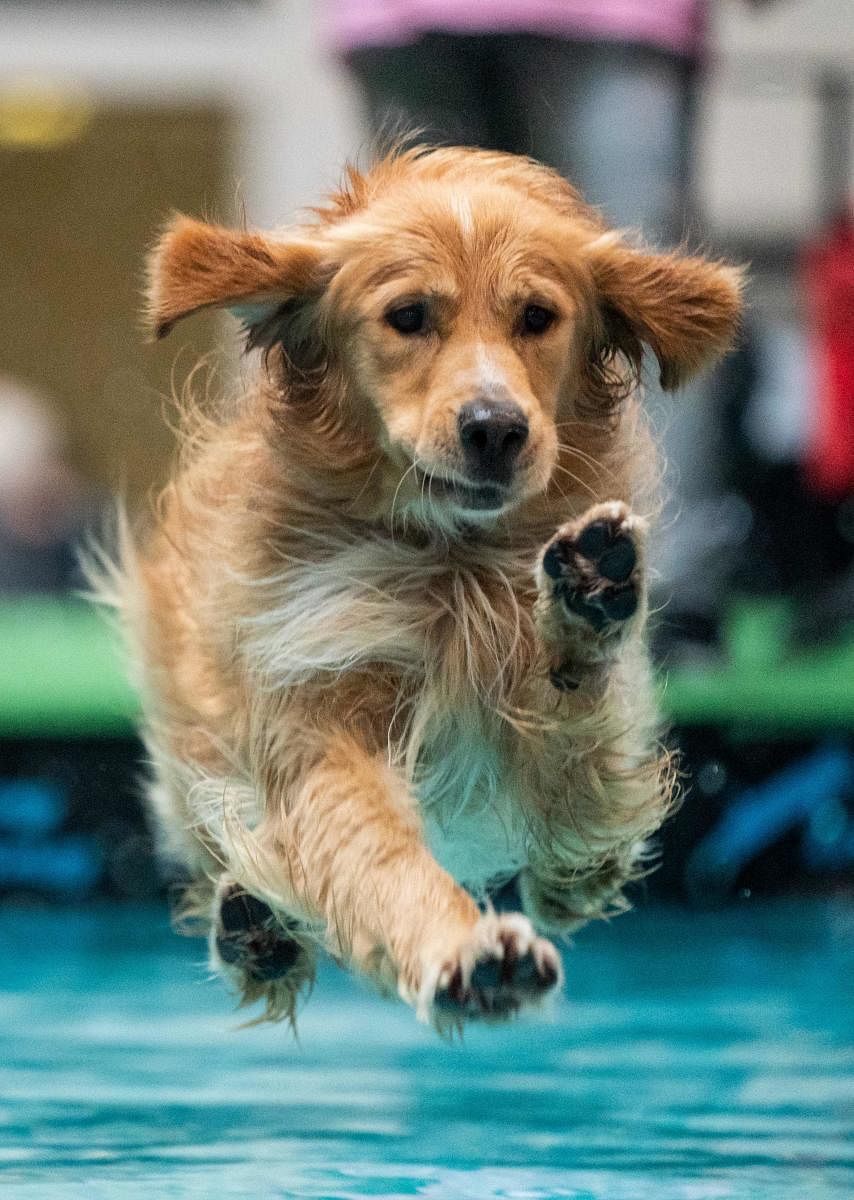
x=499, y=969
x=593, y=566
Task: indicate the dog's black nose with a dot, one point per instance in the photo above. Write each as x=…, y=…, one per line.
x=492, y=437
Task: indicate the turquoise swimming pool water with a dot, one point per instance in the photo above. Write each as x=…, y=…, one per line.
x=693, y=1058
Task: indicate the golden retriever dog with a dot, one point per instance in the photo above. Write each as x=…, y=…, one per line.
x=389, y=621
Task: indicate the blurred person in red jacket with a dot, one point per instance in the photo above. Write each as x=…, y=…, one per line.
x=829, y=281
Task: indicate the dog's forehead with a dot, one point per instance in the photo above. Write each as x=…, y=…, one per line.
x=457, y=230
x=466, y=211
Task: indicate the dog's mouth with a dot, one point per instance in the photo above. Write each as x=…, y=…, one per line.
x=473, y=497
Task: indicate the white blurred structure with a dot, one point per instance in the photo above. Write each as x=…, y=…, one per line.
x=759, y=169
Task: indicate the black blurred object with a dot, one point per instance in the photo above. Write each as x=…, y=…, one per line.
x=45, y=505
x=764, y=816
x=769, y=532
x=72, y=826
x=799, y=540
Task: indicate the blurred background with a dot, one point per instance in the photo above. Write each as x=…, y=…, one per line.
x=729, y=124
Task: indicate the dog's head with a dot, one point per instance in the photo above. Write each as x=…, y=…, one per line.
x=470, y=307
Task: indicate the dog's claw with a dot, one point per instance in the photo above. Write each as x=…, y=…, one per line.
x=565, y=679
x=515, y=968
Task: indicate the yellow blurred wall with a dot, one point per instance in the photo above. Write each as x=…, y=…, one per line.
x=76, y=221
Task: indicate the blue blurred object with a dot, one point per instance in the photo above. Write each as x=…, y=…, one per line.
x=34, y=855
x=808, y=797
x=29, y=807
x=69, y=867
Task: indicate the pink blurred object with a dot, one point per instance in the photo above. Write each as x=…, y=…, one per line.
x=676, y=25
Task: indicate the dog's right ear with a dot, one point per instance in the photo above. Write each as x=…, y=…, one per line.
x=196, y=266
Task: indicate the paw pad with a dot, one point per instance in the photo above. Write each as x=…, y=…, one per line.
x=249, y=936
x=593, y=570
x=612, y=551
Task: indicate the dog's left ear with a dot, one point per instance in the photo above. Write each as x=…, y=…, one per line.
x=196, y=265
x=685, y=309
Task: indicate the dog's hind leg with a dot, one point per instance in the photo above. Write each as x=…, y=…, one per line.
x=265, y=955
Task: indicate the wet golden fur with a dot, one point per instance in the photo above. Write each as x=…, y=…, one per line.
x=341, y=670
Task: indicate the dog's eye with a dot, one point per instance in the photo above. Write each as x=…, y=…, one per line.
x=536, y=319
x=409, y=318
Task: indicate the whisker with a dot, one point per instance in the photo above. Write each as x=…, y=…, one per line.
x=364, y=486
x=430, y=491
x=576, y=479
x=583, y=456
x=410, y=468
x=584, y=424
x=562, y=492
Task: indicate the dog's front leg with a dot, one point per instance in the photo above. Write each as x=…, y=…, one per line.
x=605, y=780
x=349, y=848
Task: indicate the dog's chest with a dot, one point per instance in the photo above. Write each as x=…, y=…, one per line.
x=470, y=805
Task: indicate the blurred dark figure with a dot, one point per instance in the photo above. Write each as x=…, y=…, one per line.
x=602, y=91
x=801, y=504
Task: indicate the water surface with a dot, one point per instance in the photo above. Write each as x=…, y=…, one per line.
x=693, y=1058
